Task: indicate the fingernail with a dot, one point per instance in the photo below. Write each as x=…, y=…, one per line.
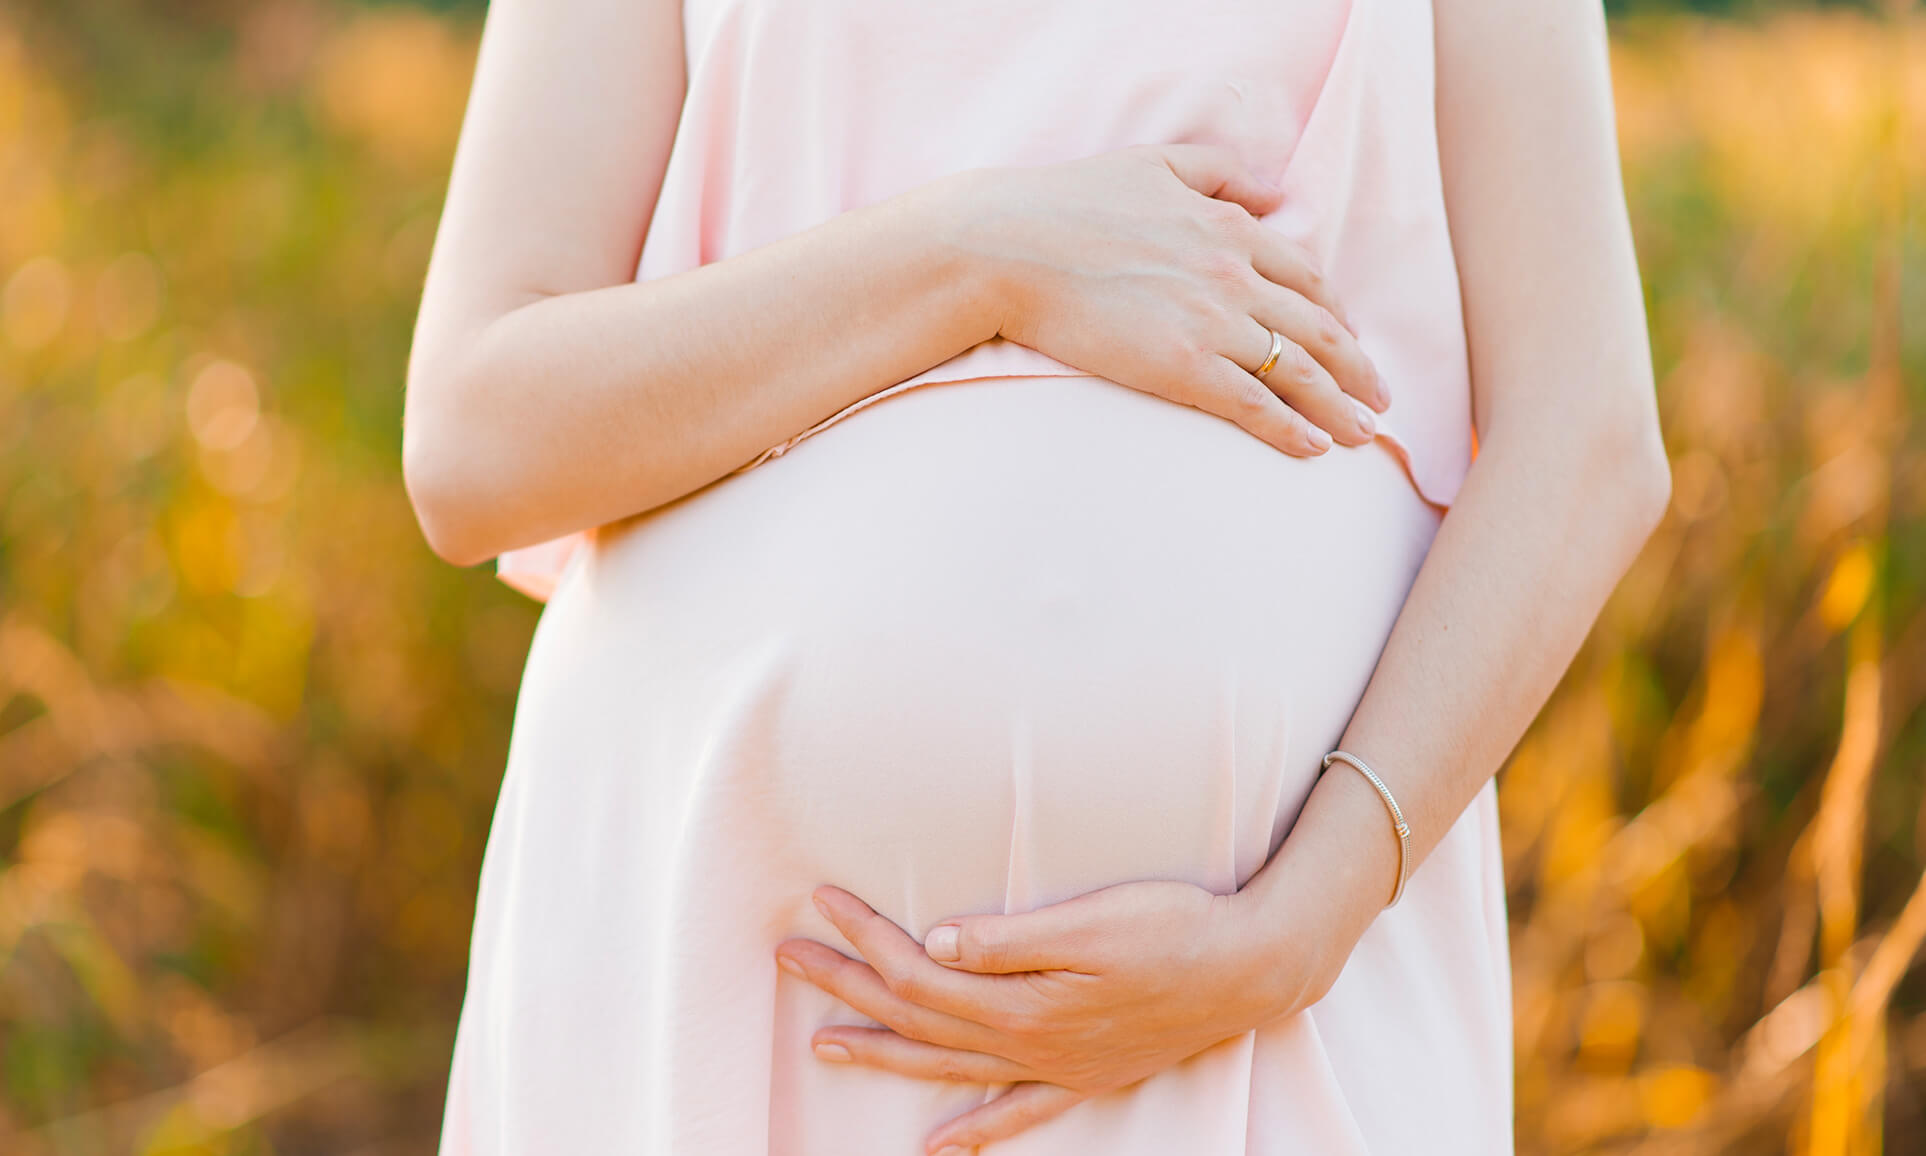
x=834, y=1053
x=821, y=906
x=790, y=964
x=1384, y=391
x=1367, y=421
x=1320, y=441
x=952, y=1150
x=943, y=944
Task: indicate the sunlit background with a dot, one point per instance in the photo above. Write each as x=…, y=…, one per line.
x=251, y=729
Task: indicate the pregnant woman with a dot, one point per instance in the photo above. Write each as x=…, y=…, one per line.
x=982, y=460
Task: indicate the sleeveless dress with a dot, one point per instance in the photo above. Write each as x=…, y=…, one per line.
x=992, y=637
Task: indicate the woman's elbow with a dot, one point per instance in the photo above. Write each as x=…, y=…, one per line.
x=1631, y=463
x=436, y=497
x=444, y=492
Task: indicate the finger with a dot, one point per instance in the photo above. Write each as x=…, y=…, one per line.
x=1282, y=261
x=1053, y=938
x=1305, y=384
x=1318, y=332
x=909, y=971
x=1217, y=171
x=1221, y=386
x=858, y=985
x=1022, y=1107
x=875, y=1048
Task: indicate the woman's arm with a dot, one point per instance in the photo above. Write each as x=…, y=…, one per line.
x=1571, y=475
x=1569, y=481
x=548, y=391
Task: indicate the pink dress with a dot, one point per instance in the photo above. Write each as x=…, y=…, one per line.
x=1000, y=634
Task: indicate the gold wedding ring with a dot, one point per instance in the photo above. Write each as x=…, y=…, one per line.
x=1277, y=349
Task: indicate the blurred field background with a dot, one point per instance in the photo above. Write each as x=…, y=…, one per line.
x=251, y=730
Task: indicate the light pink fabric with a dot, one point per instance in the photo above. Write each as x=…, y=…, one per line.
x=992, y=644
x=799, y=112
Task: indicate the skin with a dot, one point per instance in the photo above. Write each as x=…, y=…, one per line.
x=549, y=392
x=1089, y=995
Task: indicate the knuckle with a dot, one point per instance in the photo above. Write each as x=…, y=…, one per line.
x=1039, y=1022
x=908, y=1026
x=1240, y=228
x=1224, y=268
x=1296, y=433
x=832, y=975
x=1311, y=276
x=1220, y=322
x=953, y=1068
x=1325, y=330
x=1249, y=402
x=1298, y=365
x=1062, y=1065
x=1260, y=405
x=906, y=984
x=1226, y=223
x=1018, y=1023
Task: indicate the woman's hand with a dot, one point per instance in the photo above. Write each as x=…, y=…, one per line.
x=1066, y=1002
x=1147, y=266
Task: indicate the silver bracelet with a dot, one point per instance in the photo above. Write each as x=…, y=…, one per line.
x=1397, y=816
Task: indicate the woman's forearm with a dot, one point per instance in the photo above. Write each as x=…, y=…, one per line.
x=1570, y=477
x=1546, y=524
x=581, y=408
x=549, y=391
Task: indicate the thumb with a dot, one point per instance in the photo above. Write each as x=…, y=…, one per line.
x=1217, y=171
x=1042, y=940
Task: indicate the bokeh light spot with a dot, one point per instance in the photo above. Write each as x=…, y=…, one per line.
x=223, y=405
x=33, y=306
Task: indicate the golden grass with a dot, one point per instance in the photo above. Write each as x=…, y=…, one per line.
x=250, y=730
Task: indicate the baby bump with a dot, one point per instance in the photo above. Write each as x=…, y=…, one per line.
x=989, y=644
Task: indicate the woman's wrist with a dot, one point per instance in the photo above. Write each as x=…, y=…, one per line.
x=965, y=219
x=1299, y=918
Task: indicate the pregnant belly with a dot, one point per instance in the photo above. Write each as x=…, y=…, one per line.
x=982, y=645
